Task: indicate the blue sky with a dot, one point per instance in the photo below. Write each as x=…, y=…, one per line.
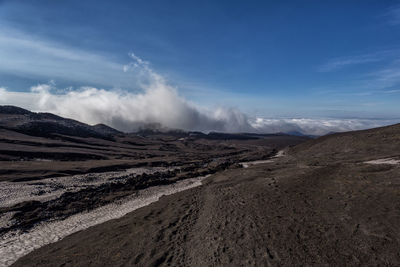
x=274, y=59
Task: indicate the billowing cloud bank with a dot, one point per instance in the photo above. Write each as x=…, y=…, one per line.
x=159, y=103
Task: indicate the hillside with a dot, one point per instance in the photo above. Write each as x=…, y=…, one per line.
x=320, y=204
x=42, y=145
x=354, y=146
x=47, y=124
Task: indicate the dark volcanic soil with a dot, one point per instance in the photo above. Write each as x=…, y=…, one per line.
x=40, y=145
x=320, y=204
x=338, y=211
x=24, y=157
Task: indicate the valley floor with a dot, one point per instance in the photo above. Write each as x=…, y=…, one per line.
x=280, y=213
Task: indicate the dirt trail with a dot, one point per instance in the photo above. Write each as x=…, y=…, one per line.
x=274, y=214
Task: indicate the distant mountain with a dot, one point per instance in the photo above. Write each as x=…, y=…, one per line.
x=14, y=110
x=47, y=124
x=210, y=136
x=296, y=133
x=105, y=129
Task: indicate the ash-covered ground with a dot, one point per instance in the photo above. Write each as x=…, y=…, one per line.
x=59, y=176
x=333, y=201
x=90, y=197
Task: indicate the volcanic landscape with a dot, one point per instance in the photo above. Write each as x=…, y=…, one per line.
x=72, y=194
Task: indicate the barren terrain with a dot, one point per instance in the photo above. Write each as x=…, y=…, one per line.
x=59, y=176
x=194, y=199
x=319, y=204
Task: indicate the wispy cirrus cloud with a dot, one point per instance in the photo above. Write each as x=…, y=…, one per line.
x=156, y=102
x=159, y=103
x=385, y=79
x=372, y=86
x=392, y=91
x=392, y=15
x=23, y=55
x=389, y=75
x=342, y=62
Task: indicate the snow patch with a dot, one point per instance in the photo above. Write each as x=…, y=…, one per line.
x=14, y=245
x=247, y=164
x=256, y=162
x=389, y=161
x=12, y=193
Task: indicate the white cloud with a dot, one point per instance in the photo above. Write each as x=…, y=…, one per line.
x=160, y=103
x=127, y=111
x=26, y=55
x=379, y=79
x=341, y=62
x=392, y=91
x=317, y=126
x=393, y=15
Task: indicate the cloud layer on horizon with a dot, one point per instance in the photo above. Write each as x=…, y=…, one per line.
x=159, y=103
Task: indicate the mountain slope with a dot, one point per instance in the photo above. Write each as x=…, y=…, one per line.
x=356, y=145
x=40, y=145
x=320, y=204
x=47, y=124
